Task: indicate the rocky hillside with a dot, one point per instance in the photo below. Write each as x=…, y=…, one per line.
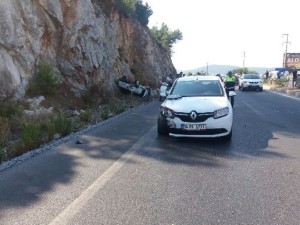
x=87, y=42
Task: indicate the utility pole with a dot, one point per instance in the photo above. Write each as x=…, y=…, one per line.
x=244, y=56
x=286, y=44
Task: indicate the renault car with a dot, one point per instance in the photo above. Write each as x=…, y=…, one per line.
x=196, y=106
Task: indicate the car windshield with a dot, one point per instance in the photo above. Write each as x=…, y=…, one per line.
x=251, y=76
x=197, y=88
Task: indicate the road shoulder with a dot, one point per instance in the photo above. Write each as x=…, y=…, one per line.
x=290, y=91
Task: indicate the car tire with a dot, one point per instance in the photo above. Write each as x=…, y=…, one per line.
x=260, y=89
x=242, y=88
x=162, y=127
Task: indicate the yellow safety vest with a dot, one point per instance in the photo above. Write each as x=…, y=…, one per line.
x=230, y=79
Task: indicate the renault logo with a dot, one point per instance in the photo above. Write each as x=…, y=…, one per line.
x=193, y=115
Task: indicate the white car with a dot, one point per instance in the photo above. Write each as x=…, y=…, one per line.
x=250, y=81
x=197, y=106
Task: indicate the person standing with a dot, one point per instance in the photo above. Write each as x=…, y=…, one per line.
x=170, y=80
x=229, y=83
x=267, y=74
x=294, y=77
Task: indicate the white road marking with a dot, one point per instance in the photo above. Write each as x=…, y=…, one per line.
x=71, y=210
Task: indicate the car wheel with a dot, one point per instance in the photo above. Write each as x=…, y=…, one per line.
x=242, y=88
x=162, y=127
x=260, y=89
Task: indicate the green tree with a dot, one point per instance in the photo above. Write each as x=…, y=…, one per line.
x=126, y=7
x=143, y=12
x=243, y=71
x=201, y=73
x=166, y=37
x=135, y=9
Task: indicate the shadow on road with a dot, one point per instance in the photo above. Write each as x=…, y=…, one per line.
x=25, y=184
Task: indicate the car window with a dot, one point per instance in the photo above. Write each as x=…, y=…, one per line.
x=197, y=88
x=251, y=76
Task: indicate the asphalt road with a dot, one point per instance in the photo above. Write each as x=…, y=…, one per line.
x=123, y=173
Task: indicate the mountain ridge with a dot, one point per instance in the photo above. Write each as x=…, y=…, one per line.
x=223, y=69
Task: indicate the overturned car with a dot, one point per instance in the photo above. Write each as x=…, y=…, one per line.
x=134, y=88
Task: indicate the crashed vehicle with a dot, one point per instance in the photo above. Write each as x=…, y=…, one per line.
x=134, y=88
x=197, y=106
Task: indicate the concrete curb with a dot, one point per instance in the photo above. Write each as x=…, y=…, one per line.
x=295, y=92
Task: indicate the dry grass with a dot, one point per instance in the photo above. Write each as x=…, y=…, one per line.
x=5, y=130
x=17, y=138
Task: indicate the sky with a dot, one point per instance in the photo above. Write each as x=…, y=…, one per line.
x=250, y=33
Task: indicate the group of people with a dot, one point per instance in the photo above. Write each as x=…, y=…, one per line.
x=293, y=72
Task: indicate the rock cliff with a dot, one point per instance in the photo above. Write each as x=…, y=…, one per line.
x=86, y=41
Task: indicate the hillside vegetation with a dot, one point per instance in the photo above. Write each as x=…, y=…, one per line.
x=62, y=77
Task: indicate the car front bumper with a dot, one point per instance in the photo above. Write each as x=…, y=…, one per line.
x=252, y=86
x=214, y=127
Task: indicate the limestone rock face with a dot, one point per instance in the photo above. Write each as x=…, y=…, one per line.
x=86, y=41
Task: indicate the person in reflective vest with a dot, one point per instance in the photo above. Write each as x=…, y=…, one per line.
x=229, y=82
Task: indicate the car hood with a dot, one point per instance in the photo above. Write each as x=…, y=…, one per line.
x=199, y=104
x=252, y=80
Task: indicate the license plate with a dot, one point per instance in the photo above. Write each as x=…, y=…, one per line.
x=193, y=126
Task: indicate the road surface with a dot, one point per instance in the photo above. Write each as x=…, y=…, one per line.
x=124, y=173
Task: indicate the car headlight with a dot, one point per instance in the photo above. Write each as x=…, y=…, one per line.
x=166, y=112
x=221, y=112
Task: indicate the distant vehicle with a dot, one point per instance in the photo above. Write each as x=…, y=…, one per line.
x=250, y=81
x=197, y=106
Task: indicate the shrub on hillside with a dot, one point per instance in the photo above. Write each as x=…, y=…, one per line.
x=62, y=124
x=86, y=115
x=44, y=82
x=5, y=130
x=30, y=138
x=2, y=154
x=10, y=109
